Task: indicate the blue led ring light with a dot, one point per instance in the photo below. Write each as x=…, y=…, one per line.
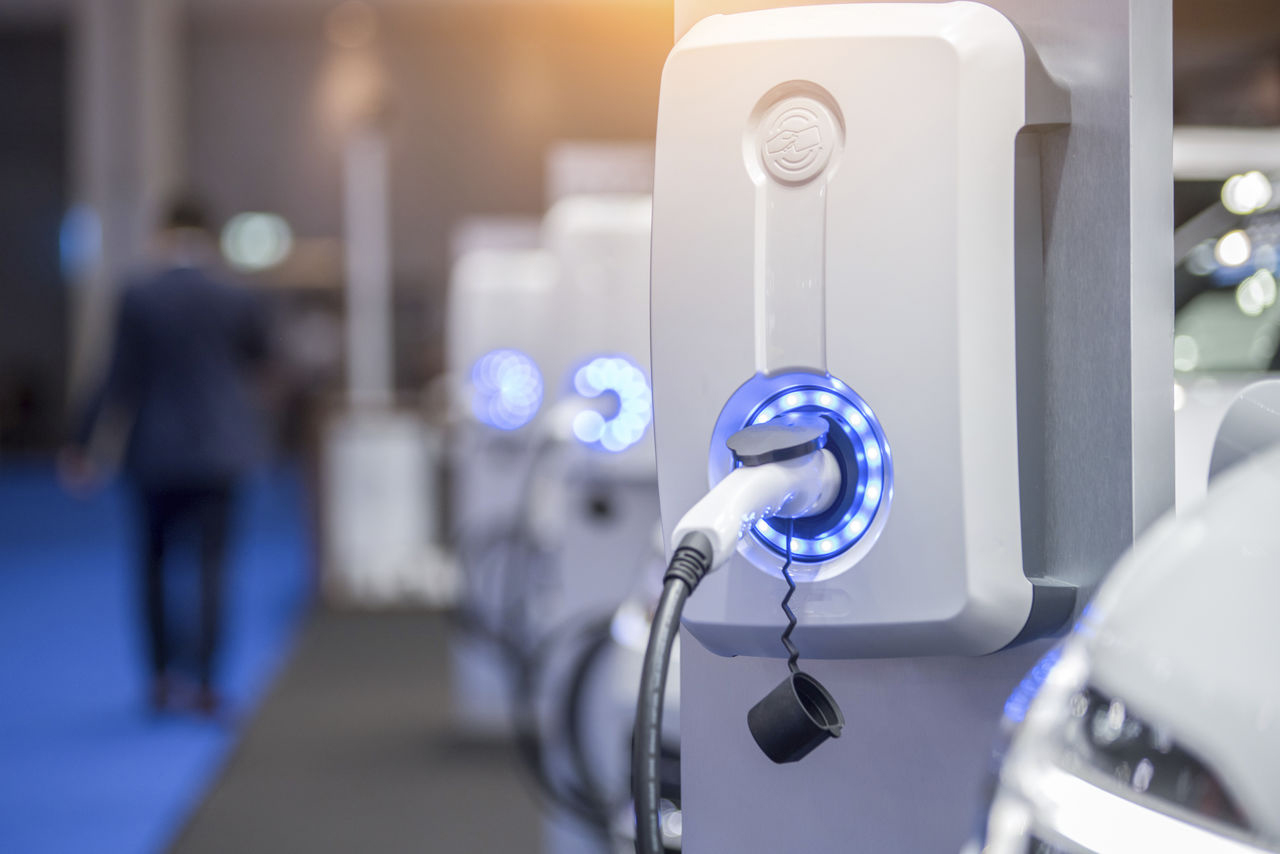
x=623, y=379
x=506, y=389
x=856, y=440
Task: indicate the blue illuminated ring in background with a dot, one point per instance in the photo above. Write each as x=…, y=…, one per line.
x=506, y=389
x=623, y=379
x=859, y=445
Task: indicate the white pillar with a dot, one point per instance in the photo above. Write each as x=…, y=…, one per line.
x=126, y=138
x=161, y=84
x=366, y=210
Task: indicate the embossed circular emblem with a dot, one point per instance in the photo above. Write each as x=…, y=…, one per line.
x=797, y=136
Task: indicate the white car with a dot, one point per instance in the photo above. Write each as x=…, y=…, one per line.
x=1155, y=725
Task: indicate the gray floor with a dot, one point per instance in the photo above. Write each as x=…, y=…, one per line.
x=353, y=752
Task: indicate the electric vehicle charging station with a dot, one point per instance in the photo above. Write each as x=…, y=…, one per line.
x=567, y=475
x=506, y=362
x=916, y=222
x=931, y=443
x=609, y=508
x=499, y=354
x=601, y=242
x=551, y=349
x=601, y=499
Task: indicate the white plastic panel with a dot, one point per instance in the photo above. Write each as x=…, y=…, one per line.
x=886, y=258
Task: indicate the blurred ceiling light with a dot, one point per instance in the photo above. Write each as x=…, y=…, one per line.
x=352, y=24
x=1179, y=397
x=352, y=90
x=1234, y=248
x=1247, y=193
x=255, y=241
x=1186, y=353
x=1257, y=293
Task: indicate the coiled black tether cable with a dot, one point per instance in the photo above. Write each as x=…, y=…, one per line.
x=691, y=561
x=793, y=653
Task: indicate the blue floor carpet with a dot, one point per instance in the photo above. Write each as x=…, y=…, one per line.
x=84, y=767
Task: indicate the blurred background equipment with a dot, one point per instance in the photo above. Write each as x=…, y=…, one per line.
x=340, y=145
x=552, y=473
x=501, y=340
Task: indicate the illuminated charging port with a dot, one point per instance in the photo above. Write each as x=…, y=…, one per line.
x=858, y=443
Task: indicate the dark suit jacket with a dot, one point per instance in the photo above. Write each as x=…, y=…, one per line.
x=185, y=345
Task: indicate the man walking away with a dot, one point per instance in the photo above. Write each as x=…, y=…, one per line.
x=186, y=344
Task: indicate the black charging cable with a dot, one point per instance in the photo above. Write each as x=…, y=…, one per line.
x=691, y=561
x=575, y=797
x=790, y=437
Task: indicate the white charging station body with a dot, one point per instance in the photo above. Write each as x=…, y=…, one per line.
x=597, y=499
x=501, y=299
x=834, y=231
x=598, y=503
x=500, y=302
x=500, y=356
x=601, y=245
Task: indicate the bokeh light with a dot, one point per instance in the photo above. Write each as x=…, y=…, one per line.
x=79, y=241
x=1257, y=293
x=1247, y=193
x=1234, y=249
x=255, y=241
x=619, y=377
x=506, y=389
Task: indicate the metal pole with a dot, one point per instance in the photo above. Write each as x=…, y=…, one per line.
x=366, y=210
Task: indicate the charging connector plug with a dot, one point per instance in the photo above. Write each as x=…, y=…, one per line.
x=787, y=489
x=782, y=471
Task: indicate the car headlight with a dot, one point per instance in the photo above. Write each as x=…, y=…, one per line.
x=1084, y=775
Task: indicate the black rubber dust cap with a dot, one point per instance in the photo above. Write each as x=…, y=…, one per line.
x=794, y=718
x=784, y=438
